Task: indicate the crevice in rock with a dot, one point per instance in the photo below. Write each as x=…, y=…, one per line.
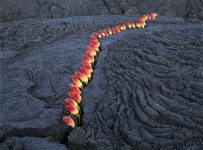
x=122, y=10
x=105, y=4
x=62, y=8
x=53, y=131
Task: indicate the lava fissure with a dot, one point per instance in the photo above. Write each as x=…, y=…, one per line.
x=80, y=79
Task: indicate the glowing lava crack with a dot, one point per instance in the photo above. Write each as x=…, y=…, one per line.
x=83, y=76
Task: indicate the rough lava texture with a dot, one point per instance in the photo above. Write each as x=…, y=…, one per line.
x=31, y=143
x=22, y=9
x=146, y=91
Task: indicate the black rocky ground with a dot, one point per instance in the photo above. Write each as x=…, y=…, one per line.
x=146, y=91
x=22, y=9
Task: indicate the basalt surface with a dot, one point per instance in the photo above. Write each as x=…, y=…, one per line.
x=23, y=9
x=146, y=91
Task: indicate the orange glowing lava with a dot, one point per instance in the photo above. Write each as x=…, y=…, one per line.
x=72, y=102
x=74, y=88
x=69, y=121
x=82, y=77
x=75, y=96
x=71, y=109
x=76, y=81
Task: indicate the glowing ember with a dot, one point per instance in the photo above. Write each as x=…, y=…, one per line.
x=141, y=19
x=74, y=88
x=98, y=35
x=117, y=29
x=129, y=25
x=89, y=47
x=102, y=32
x=113, y=30
x=71, y=109
x=76, y=81
x=148, y=16
x=69, y=121
x=138, y=25
x=145, y=17
x=72, y=102
x=92, y=58
x=133, y=25
x=120, y=27
x=88, y=68
x=94, y=46
x=105, y=32
x=70, y=99
x=75, y=96
x=84, y=71
x=95, y=42
x=85, y=63
x=153, y=15
x=91, y=52
x=123, y=26
x=82, y=77
x=87, y=58
x=93, y=37
x=109, y=31
x=142, y=24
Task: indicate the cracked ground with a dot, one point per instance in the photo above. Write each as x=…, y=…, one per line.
x=146, y=91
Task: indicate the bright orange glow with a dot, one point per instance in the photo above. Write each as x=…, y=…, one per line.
x=120, y=27
x=86, y=72
x=74, y=88
x=92, y=58
x=69, y=121
x=142, y=24
x=88, y=68
x=82, y=77
x=67, y=99
x=102, y=32
x=145, y=17
x=123, y=26
x=95, y=42
x=138, y=25
x=141, y=19
x=71, y=109
x=148, y=16
x=109, y=31
x=94, y=46
x=105, y=32
x=87, y=59
x=75, y=96
x=153, y=15
x=133, y=25
x=85, y=63
x=89, y=47
x=91, y=52
x=72, y=102
x=98, y=35
x=113, y=30
x=93, y=37
x=117, y=29
x=76, y=81
x=129, y=25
